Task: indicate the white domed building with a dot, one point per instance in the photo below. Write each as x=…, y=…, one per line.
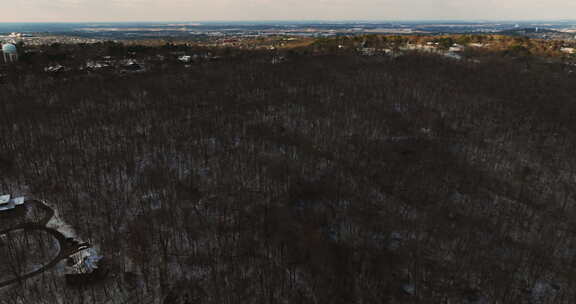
x=9, y=53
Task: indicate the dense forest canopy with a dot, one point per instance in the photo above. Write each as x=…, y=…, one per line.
x=324, y=178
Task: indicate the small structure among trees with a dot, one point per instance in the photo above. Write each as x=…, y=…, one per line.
x=7, y=203
x=85, y=267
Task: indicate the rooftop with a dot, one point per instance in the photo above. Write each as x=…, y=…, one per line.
x=9, y=48
x=8, y=203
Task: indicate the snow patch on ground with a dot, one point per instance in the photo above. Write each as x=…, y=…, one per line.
x=56, y=222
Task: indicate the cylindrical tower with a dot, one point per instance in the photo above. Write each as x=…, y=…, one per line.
x=10, y=53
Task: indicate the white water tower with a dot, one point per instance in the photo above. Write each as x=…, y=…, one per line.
x=10, y=53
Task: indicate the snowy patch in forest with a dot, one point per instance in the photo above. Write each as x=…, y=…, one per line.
x=57, y=223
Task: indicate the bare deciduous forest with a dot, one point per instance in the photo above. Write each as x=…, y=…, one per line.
x=322, y=179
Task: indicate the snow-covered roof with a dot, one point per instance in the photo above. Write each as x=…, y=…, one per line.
x=91, y=262
x=7, y=207
x=185, y=58
x=4, y=199
x=6, y=203
x=18, y=201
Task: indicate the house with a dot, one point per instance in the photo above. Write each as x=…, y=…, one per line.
x=367, y=51
x=18, y=201
x=409, y=47
x=455, y=48
x=131, y=65
x=386, y=51
x=97, y=65
x=453, y=55
x=428, y=47
x=85, y=267
x=476, y=45
x=84, y=261
x=568, y=50
x=7, y=203
x=185, y=58
x=58, y=68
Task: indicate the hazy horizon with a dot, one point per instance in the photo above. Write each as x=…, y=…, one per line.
x=262, y=21
x=81, y=11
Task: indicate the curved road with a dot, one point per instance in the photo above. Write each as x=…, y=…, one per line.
x=67, y=247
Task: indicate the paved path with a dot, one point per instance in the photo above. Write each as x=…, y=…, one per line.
x=67, y=247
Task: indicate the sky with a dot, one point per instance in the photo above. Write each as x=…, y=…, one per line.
x=269, y=10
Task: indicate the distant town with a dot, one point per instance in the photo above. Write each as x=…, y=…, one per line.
x=89, y=32
x=419, y=36
x=68, y=51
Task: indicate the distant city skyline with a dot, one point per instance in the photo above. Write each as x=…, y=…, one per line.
x=274, y=10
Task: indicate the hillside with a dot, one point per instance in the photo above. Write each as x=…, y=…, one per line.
x=321, y=179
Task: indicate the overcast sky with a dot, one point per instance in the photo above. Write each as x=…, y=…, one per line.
x=240, y=10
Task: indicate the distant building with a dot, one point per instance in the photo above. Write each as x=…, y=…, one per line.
x=277, y=59
x=54, y=68
x=85, y=267
x=568, y=50
x=428, y=47
x=366, y=51
x=9, y=53
x=185, y=58
x=456, y=48
x=5, y=203
x=97, y=65
x=131, y=65
x=84, y=262
x=453, y=55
